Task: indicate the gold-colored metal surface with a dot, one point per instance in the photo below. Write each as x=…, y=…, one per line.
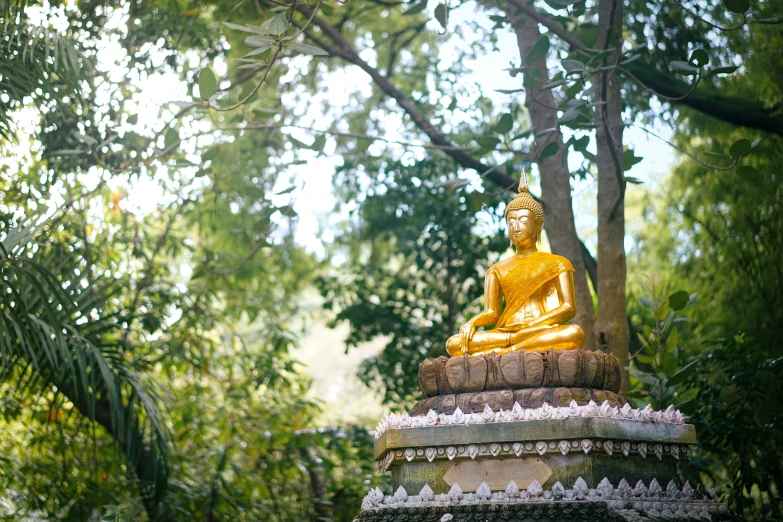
x=538, y=289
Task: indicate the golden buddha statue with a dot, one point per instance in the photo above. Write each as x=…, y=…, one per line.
x=538, y=289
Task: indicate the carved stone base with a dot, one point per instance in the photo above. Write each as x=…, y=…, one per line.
x=544, y=506
x=505, y=399
x=519, y=370
x=533, y=436
x=544, y=512
x=548, y=451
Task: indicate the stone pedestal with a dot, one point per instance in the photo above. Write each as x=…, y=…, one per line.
x=547, y=451
x=518, y=439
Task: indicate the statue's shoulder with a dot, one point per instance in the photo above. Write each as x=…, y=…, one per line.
x=552, y=257
x=502, y=266
x=564, y=263
x=543, y=259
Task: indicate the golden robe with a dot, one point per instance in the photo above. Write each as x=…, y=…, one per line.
x=525, y=279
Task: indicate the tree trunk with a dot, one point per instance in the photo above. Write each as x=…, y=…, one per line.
x=611, y=327
x=555, y=177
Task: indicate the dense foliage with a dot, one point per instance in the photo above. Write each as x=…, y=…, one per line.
x=148, y=342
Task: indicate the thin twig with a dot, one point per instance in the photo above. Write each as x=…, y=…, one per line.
x=680, y=149
x=711, y=24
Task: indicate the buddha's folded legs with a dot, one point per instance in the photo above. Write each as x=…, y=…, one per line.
x=561, y=337
x=499, y=341
x=558, y=337
x=481, y=342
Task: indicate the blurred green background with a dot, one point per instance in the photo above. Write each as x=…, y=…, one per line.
x=228, y=242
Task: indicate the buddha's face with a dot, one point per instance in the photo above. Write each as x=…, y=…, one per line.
x=522, y=228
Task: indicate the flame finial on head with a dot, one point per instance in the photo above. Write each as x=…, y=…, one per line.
x=523, y=183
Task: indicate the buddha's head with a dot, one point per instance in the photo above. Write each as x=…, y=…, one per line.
x=524, y=218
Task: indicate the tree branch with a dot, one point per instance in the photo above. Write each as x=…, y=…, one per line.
x=733, y=110
x=343, y=49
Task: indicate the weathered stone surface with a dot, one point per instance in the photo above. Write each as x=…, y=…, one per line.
x=519, y=370
x=470, y=474
x=547, y=511
x=536, y=430
x=505, y=399
x=585, y=512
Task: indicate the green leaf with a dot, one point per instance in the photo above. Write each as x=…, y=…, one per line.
x=552, y=85
x=646, y=359
x=648, y=379
x=509, y=91
x=207, y=83
x=686, y=406
x=488, y=142
x=755, y=143
x=133, y=119
x=699, y=58
x=598, y=58
x=581, y=144
x=725, y=69
x=630, y=59
x=545, y=132
x=630, y=159
x=678, y=300
x=308, y=49
x=259, y=41
x=571, y=114
x=211, y=154
x=327, y=9
x=572, y=65
x=418, y=8
x=504, y=124
x=683, y=68
x=669, y=364
x=671, y=340
x=442, y=15
x=633, y=180
x=587, y=34
x=769, y=21
x=237, y=27
x=740, y=148
x=521, y=135
x=737, y=6
x=319, y=142
x=278, y=24
x=516, y=70
x=682, y=375
x=256, y=52
x=661, y=312
x=171, y=138
x=549, y=150
x=538, y=51
x=287, y=211
x=297, y=143
x=748, y=173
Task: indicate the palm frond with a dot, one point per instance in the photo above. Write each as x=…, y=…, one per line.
x=33, y=58
x=55, y=330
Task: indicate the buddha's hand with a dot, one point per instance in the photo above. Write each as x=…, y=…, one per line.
x=465, y=336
